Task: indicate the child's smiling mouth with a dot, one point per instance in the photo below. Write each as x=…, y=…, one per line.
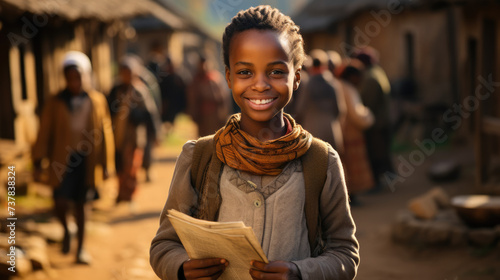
x=260, y=103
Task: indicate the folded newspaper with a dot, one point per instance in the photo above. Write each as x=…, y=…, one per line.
x=232, y=241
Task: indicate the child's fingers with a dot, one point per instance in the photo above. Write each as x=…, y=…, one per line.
x=215, y=276
x=261, y=275
x=276, y=266
x=203, y=263
x=259, y=265
x=204, y=268
x=274, y=270
x=212, y=272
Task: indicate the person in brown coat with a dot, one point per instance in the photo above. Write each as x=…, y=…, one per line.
x=320, y=107
x=135, y=120
x=76, y=138
x=208, y=101
x=375, y=91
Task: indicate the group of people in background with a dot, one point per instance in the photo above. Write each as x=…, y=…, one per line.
x=202, y=94
x=345, y=102
x=86, y=134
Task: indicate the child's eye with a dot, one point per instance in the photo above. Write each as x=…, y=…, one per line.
x=244, y=72
x=277, y=72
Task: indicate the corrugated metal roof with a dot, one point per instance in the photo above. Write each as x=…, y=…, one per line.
x=103, y=10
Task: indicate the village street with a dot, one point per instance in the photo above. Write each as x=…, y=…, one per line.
x=119, y=241
x=416, y=80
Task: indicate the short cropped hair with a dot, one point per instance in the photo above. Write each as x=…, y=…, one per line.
x=264, y=17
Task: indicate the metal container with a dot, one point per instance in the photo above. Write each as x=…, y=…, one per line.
x=478, y=210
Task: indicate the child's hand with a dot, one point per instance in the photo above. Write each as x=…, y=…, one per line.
x=278, y=270
x=204, y=268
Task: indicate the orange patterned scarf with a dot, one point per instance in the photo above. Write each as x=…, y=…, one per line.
x=241, y=151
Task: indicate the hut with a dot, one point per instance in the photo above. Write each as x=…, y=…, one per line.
x=36, y=34
x=183, y=45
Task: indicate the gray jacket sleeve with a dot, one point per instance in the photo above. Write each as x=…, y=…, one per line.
x=167, y=253
x=340, y=258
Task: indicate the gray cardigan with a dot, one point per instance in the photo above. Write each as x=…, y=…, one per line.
x=274, y=207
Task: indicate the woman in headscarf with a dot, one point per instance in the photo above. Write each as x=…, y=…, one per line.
x=77, y=139
x=135, y=119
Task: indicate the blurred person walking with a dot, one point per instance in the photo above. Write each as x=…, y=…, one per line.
x=319, y=108
x=151, y=72
x=334, y=61
x=135, y=118
x=375, y=91
x=357, y=168
x=173, y=87
x=291, y=107
x=151, y=82
x=77, y=139
x=156, y=59
x=208, y=99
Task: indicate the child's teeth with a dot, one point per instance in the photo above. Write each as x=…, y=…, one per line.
x=263, y=101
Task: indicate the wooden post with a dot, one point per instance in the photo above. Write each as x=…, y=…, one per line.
x=478, y=145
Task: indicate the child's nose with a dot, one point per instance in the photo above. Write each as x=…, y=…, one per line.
x=261, y=83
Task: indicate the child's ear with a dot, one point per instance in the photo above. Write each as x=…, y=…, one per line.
x=296, y=79
x=228, y=77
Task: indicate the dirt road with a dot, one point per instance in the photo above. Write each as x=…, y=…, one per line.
x=119, y=241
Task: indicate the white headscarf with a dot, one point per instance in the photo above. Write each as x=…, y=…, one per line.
x=133, y=63
x=83, y=65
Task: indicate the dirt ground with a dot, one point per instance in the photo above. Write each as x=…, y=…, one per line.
x=119, y=240
x=381, y=258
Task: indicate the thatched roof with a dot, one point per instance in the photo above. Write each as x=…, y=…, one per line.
x=102, y=10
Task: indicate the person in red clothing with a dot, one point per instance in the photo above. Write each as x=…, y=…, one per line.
x=357, y=167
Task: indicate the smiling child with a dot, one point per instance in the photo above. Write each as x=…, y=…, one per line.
x=263, y=169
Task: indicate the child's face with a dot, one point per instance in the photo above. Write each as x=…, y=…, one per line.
x=261, y=74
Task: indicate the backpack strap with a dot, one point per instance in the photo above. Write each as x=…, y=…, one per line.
x=315, y=167
x=206, y=170
x=203, y=151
